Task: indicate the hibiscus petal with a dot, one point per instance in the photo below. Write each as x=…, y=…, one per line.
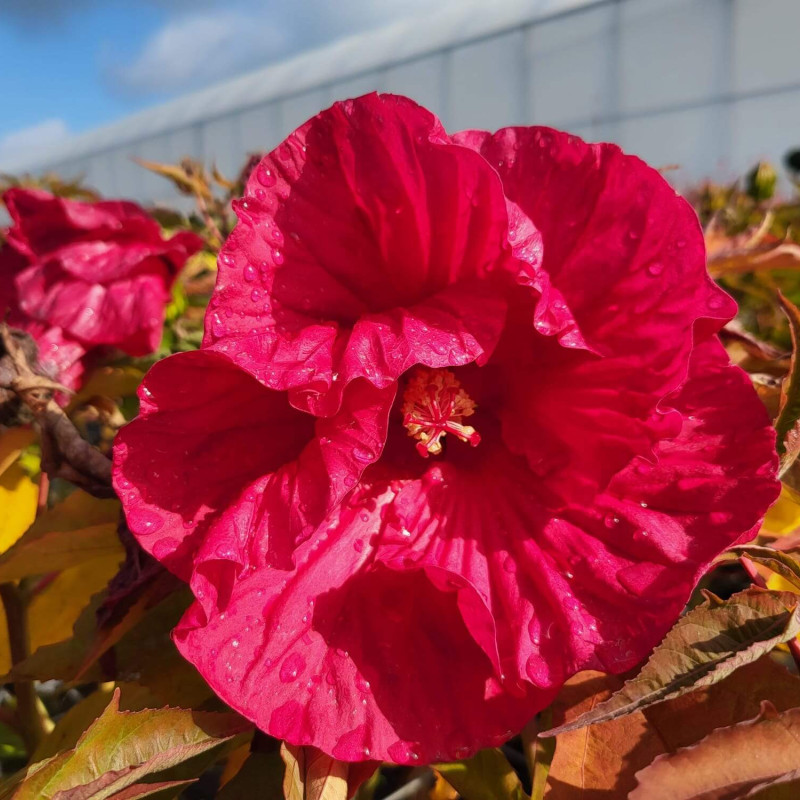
x=356, y=238
x=128, y=313
x=628, y=256
x=101, y=271
x=597, y=586
x=218, y=467
x=346, y=655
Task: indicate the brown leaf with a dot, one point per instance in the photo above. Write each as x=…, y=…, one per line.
x=760, y=257
x=729, y=762
x=756, y=348
x=703, y=647
x=780, y=562
x=789, y=411
x=597, y=763
x=186, y=180
x=12, y=442
x=600, y=762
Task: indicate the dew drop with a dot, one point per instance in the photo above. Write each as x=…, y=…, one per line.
x=266, y=177
x=611, y=521
x=292, y=667
x=363, y=454
x=249, y=273
x=655, y=269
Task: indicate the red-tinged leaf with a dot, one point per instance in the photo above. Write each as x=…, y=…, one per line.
x=312, y=775
x=485, y=776
x=121, y=748
x=704, y=646
x=116, y=784
x=70, y=727
x=729, y=762
x=783, y=563
x=166, y=789
x=789, y=411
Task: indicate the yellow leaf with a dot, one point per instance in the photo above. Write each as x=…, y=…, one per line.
x=18, y=496
x=78, y=529
x=109, y=382
x=784, y=516
x=54, y=609
x=780, y=584
x=12, y=443
x=312, y=775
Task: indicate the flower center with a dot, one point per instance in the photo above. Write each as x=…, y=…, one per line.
x=434, y=404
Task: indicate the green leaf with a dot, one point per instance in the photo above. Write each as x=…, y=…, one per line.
x=757, y=759
x=485, y=776
x=538, y=753
x=779, y=561
x=703, y=647
x=312, y=775
x=11, y=744
x=120, y=749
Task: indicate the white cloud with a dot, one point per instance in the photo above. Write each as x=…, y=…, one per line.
x=195, y=50
x=26, y=144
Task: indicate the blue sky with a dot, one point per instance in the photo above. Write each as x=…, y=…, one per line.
x=70, y=65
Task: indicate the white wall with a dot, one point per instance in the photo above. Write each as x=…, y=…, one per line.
x=709, y=85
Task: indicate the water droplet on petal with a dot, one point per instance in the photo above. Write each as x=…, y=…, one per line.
x=266, y=177
x=292, y=667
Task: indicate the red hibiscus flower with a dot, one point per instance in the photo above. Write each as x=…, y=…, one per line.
x=98, y=272
x=460, y=428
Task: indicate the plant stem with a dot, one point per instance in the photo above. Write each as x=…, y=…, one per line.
x=756, y=577
x=44, y=491
x=31, y=724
